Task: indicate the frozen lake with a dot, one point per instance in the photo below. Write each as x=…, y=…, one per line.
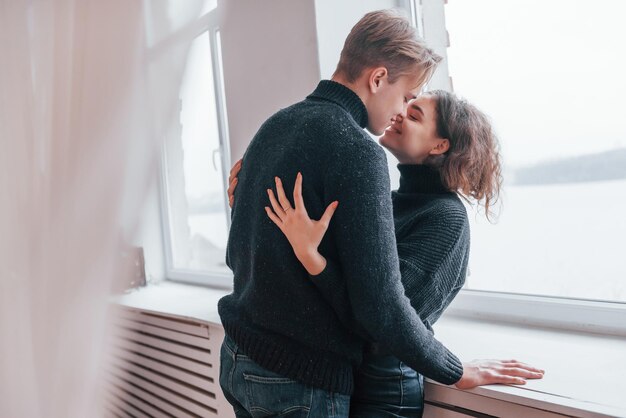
x=563, y=240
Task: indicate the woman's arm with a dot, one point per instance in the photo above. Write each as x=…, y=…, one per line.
x=430, y=278
x=305, y=234
x=430, y=281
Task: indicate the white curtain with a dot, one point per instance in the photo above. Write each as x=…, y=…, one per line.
x=86, y=97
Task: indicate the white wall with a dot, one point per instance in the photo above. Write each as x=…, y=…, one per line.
x=334, y=19
x=269, y=52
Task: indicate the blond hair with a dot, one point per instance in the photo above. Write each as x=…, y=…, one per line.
x=385, y=38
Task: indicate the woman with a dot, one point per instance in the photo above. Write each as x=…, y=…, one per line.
x=446, y=149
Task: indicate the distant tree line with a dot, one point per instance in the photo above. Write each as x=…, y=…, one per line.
x=609, y=165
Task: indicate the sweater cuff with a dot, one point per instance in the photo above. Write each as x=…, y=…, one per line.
x=454, y=369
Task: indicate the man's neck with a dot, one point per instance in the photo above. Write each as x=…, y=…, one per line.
x=355, y=86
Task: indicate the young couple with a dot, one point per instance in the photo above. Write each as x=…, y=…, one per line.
x=331, y=318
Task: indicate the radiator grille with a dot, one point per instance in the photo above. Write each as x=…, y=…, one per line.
x=164, y=367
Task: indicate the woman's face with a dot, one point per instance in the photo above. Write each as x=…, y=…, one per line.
x=413, y=136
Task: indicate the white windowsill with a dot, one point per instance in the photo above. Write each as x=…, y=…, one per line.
x=175, y=299
x=584, y=372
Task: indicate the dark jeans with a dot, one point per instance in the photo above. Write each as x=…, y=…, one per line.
x=256, y=392
x=386, y=387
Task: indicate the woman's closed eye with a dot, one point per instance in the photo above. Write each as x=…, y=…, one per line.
x=415, y=112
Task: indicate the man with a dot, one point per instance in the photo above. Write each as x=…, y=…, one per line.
x=285, y=349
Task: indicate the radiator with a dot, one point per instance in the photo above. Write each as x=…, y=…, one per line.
x=162, y=366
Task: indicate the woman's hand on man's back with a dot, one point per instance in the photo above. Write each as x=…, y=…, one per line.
x=304, y=234
x=232, y=181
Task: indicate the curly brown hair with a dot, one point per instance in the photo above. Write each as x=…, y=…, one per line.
x=471, y=166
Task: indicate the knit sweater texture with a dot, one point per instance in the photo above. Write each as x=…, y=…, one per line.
x=276, y=314
x=433, y=238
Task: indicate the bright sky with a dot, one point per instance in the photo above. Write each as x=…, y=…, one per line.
x=550, y=73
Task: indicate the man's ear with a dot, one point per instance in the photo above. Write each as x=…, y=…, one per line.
x=443, y=145
x=377, y=77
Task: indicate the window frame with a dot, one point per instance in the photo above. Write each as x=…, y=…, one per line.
x=601, y=317
x=206, y=25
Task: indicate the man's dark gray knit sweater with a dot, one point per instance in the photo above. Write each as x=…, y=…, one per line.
x=276, y=314
x=433, y=238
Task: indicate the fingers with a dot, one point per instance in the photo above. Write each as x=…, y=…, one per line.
x=488, y=372
x=274, y=218
x=519, y=372
x=232, y=182
x=234, y=171
x=282, y=198
x=231, y=191
x=277, y=208
x=328, y=214
x=515, y=372
x=519, y=364
x=508, y=380
x=297, y=193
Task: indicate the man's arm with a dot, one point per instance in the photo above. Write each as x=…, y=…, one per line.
x=363, y=232
x=430, y=281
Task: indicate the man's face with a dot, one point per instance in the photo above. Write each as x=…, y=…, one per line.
x=390, y=100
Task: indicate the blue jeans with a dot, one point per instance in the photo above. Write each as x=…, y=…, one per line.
x=256, y=392
x=386, y=387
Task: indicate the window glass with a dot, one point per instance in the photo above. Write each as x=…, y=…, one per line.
x=551, y=77
x=196, y=184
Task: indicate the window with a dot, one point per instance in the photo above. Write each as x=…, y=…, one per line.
x=196, y=156
x=550, y=76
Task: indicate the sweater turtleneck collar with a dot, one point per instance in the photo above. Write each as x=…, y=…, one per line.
x=344, y=97
x=419, y=178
